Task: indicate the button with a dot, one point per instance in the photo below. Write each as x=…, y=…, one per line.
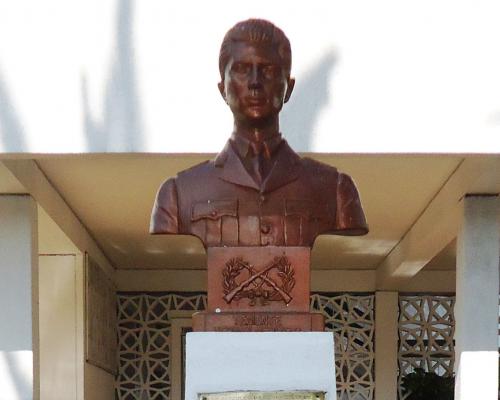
x=265, y=228
x=213, y=213
x=262, y=198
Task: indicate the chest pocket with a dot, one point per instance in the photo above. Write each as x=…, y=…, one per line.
x=304, y=220
x=216, y=222
x=297, y=216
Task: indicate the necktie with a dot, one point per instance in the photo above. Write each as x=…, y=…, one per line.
x=260, y=154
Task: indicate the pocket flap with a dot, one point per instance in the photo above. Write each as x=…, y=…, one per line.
x=214, y=209
x=308, y=209
x=299, y=207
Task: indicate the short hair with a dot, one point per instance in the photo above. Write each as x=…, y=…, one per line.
x=255, y=31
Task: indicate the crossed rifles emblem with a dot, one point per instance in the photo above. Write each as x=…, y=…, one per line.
x=259, y=284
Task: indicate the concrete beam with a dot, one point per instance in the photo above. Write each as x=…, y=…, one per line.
x=36, y=183
x=438, y=224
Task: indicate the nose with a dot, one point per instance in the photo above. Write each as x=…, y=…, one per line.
x=255, y=81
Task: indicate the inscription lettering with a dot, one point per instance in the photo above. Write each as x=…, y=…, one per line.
x=258, y=320
x=256, y=323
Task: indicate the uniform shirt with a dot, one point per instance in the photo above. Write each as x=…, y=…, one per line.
x=221, y=203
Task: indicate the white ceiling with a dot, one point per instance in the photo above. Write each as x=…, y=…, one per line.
x=113, y=195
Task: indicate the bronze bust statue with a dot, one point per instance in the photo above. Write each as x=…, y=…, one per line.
x=258, y=191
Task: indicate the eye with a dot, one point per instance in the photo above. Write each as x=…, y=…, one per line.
x=240, y=68
x=271, y=71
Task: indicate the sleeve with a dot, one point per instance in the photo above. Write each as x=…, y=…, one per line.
x=350, y=218
x=164, y=217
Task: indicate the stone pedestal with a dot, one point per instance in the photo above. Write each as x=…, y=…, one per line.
x=259, y=361
x=257, y=333
x=258, y=279
x=258, y=289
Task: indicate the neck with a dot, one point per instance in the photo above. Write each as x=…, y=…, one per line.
x=257, y=132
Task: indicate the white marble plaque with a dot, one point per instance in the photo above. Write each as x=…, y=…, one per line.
x=259, y=395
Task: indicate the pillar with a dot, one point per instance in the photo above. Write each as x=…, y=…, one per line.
x=476, y=309
x=18, y=298
x=386, y=345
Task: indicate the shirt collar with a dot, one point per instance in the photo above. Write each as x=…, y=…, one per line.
x=244, y=149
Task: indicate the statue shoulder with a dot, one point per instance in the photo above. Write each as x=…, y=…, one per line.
x=195, y=172
x=319, y=168
x=350, y=217
x=164, y=213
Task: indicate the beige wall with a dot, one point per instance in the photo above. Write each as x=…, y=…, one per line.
x=321, y=281
x=64, y=373
x=99, y=384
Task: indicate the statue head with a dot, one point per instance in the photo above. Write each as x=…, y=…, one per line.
x=255, y=63
x=256, y=31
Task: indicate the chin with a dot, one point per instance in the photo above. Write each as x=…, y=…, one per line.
x=257, y=113
x=257, y=118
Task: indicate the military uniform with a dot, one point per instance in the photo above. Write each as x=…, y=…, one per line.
x=223, y=203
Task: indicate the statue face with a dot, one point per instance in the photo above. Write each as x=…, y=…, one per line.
x=255, y=84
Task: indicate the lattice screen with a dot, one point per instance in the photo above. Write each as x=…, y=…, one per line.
x=144, y=354
x=143, y=347
x=352, y=319
x=426, y=330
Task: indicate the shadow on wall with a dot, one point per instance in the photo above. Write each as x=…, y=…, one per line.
x=12, y=137
x=120, y=128
x=310, y=96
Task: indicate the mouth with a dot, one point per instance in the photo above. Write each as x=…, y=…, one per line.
x=255, y=101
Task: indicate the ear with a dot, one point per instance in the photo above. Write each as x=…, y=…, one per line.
x=222, y=90
x=289, y=89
